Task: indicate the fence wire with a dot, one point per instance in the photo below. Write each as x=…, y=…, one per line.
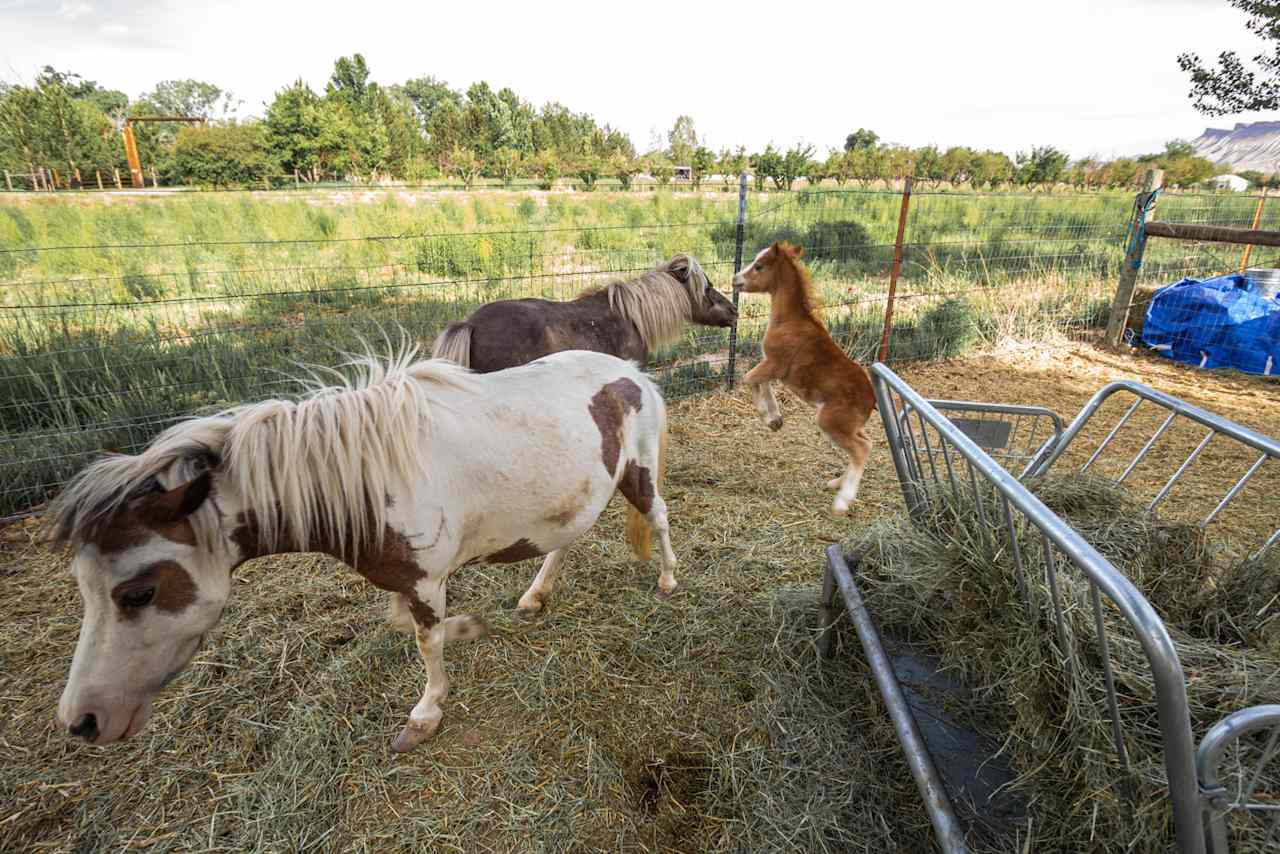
x=103, y=343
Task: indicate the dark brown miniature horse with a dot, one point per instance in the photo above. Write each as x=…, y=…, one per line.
x=624, y=319
x=799, y=352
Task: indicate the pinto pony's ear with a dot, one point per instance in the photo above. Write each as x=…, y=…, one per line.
x=679, y=267
x=171, y=507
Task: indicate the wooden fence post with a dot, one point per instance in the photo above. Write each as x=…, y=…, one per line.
x=155, y=179
x=8, y=182
x=57, y=179
x=1257, y=218
x=895, y=270
x=116, y=172
x=79, y=180
x=1143, y=210
x=97, y=173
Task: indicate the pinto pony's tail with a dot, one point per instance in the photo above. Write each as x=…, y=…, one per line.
x=454, y=344
x=639, y=531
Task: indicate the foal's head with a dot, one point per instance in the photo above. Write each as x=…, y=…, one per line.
x=154, y=570
x=707, y=306
x=776, y=265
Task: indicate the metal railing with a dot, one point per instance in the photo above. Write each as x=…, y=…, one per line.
x=1268, y=449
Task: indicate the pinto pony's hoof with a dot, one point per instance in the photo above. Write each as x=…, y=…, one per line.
x=664, y=595
x=411, y=736
x=775, y=424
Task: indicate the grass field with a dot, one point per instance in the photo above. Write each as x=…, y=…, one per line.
x=613, y=722
x=119, y=312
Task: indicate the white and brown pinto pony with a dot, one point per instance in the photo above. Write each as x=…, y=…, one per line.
x=406, y=473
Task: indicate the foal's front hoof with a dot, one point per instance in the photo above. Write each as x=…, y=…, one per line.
x=840, y=507
x=411, y=736
x=775, y=424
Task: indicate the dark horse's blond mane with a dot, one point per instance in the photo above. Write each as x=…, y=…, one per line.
x=658, y=302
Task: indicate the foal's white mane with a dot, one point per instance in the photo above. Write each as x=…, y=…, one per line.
x=319, y=468
x=658, y=303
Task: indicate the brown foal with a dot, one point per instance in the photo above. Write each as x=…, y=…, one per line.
x=799, y=352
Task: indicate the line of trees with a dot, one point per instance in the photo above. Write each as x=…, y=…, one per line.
x=423, y=129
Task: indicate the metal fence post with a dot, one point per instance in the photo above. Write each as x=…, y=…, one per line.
x=895, y=270
x=739, y=236
x=1137, y=247
x=1257, y=218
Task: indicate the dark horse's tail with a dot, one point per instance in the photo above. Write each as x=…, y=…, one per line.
x=454, y=344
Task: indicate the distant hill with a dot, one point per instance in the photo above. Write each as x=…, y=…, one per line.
x=1246, y=146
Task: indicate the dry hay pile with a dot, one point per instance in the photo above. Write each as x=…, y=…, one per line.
x=957, y=595
x=614, y=721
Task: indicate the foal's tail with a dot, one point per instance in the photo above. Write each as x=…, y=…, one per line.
x=639, y=531
x=454, y=344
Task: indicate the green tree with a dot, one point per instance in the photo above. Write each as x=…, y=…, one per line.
x=839, y=166
x=702, y=162
x=45, y=126
x=660, y=167
x=1254, y=177
x=682, y=141
x=731, y=164
x=1042, y=165
x=623, y=167
x=957, y=165
x=928, y=165
x=505, y=164
x=991, y=169
x=547, y=167
x=861, y=138
x=187, y=98
x=465, y=165
x=767, y=164
x=588, y=168
x=349, y=82
x=814, y=173
x=1234, y=87
x=223, y=155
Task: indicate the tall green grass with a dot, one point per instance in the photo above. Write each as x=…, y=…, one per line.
x=160, y=307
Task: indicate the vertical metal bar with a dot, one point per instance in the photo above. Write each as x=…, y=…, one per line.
x=1235, y=489
x=983, y=530
x=948, y=833
x=1051, y=576
x=1113, y=705
x=1021, y=573
x=1267, y=753
x=1177, y=474
x=895, y=270
x=1257, y=218
x=924, y=434
x=1114, y=430
x=739, y=237
x=1147, y=447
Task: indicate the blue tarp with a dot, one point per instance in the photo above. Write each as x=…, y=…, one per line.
x=1223, y=322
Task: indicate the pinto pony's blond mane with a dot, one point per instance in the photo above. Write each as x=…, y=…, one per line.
x=658, y=303
x=316, y=469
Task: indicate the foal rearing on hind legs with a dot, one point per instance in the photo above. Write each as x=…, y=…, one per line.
x=799, y=352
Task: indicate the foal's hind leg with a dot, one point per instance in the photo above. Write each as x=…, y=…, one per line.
x=846, y=427
x=543, y=583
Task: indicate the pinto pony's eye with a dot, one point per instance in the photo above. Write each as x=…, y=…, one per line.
x=137, y=598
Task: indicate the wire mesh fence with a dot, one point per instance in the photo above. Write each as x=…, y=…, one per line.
x=116, y=325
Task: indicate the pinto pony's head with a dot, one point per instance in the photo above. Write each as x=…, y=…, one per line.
x=151, y=580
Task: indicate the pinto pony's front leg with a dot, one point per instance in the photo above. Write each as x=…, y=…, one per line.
x=760, y=379
x=430, y=630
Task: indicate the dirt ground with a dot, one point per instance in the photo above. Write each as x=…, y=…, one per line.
x=612, y=722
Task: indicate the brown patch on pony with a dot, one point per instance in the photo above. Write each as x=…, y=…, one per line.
x=165, y=514
x=175, y=589
x=392, y=567
x=570, y=507
x=637, y=486
x=521, y=549
x=608, y=408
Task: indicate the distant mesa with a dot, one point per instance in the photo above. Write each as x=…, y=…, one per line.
x=1255, y=145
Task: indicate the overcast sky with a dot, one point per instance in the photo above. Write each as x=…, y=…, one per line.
x=1095, y=77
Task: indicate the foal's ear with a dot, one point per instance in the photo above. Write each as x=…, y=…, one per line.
x=167, y=508
x=797, y=251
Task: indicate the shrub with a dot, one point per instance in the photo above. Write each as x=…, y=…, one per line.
x=223, y=155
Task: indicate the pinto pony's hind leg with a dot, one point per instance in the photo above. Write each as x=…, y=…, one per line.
x=845, y=426
x=543, y=583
